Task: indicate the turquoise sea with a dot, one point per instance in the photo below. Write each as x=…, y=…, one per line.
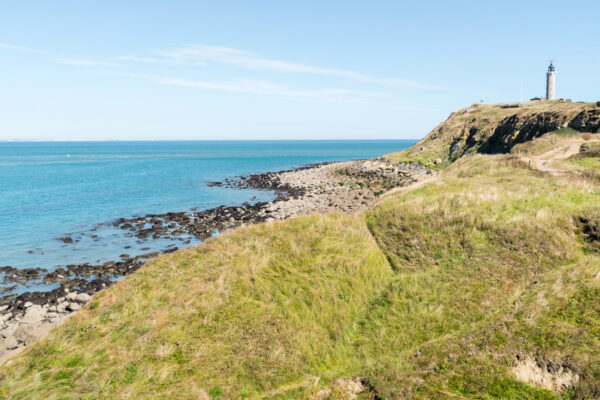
x=58, y=189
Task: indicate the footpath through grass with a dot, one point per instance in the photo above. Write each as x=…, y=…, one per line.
x=481, y=257
x=432, y=294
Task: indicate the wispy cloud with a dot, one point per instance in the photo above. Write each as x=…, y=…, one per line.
x=152, y=60
x=254, y=87
x=205, y=54
x=191, y=55
x=23, y=49
x=261, y=87
x=249, y=60
x=61, y=58
x=78, y=62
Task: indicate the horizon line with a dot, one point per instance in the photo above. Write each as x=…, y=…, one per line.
x=190, y=140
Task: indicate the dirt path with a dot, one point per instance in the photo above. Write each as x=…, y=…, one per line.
x=544, y=161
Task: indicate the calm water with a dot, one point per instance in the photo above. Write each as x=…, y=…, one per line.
x=57, y=189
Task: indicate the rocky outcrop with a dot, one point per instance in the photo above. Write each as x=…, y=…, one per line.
x=589, y=225
x=347, y=388
x=492, y=129
x=23, y=325
x=587, y=121
x=544, y=373
x=521, y=128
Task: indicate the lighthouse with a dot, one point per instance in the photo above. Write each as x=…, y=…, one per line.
x=550, y=82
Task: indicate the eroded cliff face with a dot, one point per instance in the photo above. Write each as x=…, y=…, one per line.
x=587, y=120
x=521, y=128
x=497, y=128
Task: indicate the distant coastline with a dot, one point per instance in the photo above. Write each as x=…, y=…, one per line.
x=201, y=140
x=348, y=187
x=54, y=290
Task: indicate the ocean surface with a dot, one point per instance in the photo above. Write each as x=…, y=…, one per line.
x=76, y=189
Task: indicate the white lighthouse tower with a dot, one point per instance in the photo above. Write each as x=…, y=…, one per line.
x=550, y=82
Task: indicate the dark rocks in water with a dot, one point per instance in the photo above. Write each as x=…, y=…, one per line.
x=181, y=225
x=75, y=278
x=144, y=233
x=7, y=289
x=203, y=224
x=22, y=276
x=149, y=255
x=212, y=184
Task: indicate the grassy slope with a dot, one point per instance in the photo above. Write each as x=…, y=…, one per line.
x=437, y=144
x=482, y=259
x=429, y=295
x=587, y=162
x=245, y=313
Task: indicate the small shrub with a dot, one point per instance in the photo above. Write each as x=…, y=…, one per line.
x=73, y=361
x=215, y=392
x=130, y=373
x=566, y=132
x=64, y=374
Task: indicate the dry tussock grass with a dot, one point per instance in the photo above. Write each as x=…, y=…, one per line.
x=429, y=294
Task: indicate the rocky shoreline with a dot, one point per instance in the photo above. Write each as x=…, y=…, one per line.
x=347, y=187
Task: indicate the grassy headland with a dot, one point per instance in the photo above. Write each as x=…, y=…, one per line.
x=497, y=128
x=482, y=283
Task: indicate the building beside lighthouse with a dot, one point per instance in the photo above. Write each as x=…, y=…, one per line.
x=551, y=82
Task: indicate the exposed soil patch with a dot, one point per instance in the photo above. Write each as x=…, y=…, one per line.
x=544, y=373
x=348, y=388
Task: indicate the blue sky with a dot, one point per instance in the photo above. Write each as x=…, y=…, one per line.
x=106, y=70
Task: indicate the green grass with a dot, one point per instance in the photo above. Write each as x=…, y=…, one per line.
x=426, y=158
x=249, y=311
x=588, y=162
x=566, y=132
x=464, y=251
x=430, y=294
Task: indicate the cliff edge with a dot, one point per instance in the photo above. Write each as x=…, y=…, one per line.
x=496, y=128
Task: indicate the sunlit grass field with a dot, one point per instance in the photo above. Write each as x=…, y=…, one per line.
x=432, y=293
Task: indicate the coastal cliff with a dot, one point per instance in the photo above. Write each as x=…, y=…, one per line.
x=478, y=281
x=497, y=128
